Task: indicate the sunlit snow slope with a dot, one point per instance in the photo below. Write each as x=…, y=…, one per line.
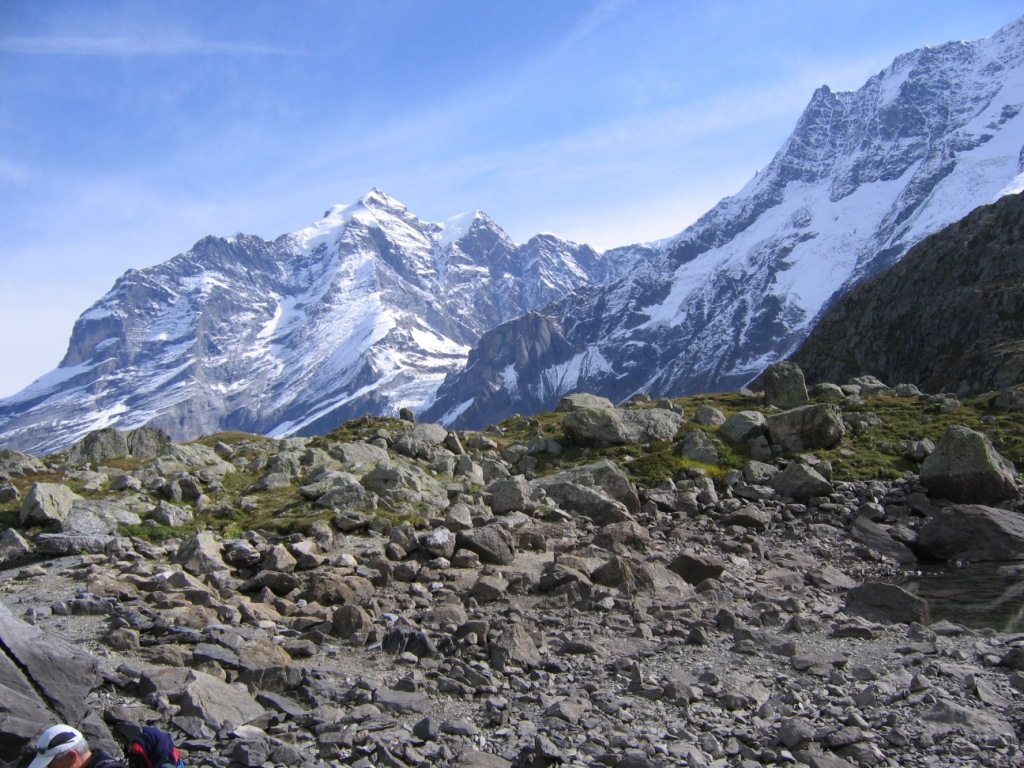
x=365, y=311
x=864, y=176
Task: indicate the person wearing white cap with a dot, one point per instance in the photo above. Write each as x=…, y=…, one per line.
x=62, y=746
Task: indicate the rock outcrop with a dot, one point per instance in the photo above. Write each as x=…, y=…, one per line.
x=947, y=317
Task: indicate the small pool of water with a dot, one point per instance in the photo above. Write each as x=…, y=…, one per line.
x=980, y=596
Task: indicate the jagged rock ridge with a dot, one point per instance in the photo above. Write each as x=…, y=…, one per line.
x=364, y=311
x=864, y=176
x=948, y=317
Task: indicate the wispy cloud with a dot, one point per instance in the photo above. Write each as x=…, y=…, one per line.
x=126, y=46
x=592, y=21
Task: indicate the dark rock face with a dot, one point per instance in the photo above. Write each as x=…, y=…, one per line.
x=37, y=673
x=886, y=602
x=948, y=317
x=972, y=532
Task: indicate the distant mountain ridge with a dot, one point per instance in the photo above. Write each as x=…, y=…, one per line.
x=371, y=309
x=864, y=176
x=364, y=311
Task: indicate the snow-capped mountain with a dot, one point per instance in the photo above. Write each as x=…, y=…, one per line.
x=365, y=311
x=864, y=176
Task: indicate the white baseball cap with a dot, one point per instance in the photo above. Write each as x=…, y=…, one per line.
x=55, y=741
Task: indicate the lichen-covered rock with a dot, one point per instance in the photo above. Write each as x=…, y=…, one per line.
x=807, y=428
x=620, y=426
x=784, y=385
x=965, y=467
x=743, y=426
x=47, y=503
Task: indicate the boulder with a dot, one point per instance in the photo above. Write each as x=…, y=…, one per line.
x=192, y=458
x=43, y=679
x=17, y=464
x=800, y=481
x=439, y=542
x=708, y=416
x=588, y=502
x=626, y=574
x=147, y=442
x=492, y=543
x=886, y=602
x=13, y=547
x=743, y=426
x=200, y=553
x=876, y=537
x=807, y=428
x=695, y=568
x=99, y=446
x=46, y=504
x=97, y=517
x=578, y=400
x=697, y=446
x=965, y=467
x=514, y=647
x=604, y=475
x=601, y=427
x=511, y=494
x=217, y=703
x=420, y=441
x=784, y=385
x=972, y=532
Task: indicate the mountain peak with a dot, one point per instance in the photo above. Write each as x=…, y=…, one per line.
x=378, y=200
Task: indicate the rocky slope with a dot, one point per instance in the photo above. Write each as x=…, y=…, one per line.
x=949, y=316
x=864, y=176
x=364, y=311
x=552, y=592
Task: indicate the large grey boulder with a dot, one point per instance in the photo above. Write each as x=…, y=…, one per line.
x=514, y=647
x=358, y=454
x=97, y=517
x=876, y=537
x=99, y=446
x=800, y=481
x=784, y=385
x=43, y=679
x=147, y=442
x=217, y=703
x=618, y=426
x=192, y=457
x=807, y=428
x=588, y=502
x=743, y=426
x=109, y=443
x=47, y=503
x=965, y=467
x=492, y=543
x=578, y=400
x=200, y=554
x=972, y=532
x=697, y=446
x=886, y=602
x=420, y=441
x=403, y=481
x=17, y=464
x=510, y=494
x=606, y=476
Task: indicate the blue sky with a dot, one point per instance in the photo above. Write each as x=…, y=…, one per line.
x=130, y=129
